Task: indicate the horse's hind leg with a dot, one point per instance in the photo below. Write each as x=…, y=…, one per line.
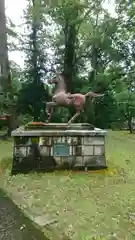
x=79, y=109
x=49, y=109
x=74, y=117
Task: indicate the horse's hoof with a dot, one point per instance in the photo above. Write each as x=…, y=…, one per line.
x=47, y=121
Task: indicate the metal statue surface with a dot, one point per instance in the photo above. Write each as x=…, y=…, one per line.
x=65, y=99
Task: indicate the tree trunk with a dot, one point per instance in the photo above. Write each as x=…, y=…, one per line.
x=12, y=120
x=4, y=64
x=5, y=75
x=130, y=127
x=70, y=33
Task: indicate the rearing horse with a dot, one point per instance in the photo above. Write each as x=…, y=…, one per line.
x=62, y=98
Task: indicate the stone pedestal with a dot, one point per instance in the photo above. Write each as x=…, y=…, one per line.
x=58, y=146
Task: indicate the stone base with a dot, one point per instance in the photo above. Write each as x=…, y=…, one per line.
x=58, y=126
x=58, y=147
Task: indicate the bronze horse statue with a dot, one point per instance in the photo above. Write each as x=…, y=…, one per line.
x=62, y=98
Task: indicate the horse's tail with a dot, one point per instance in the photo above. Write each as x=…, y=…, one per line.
x=92, y=94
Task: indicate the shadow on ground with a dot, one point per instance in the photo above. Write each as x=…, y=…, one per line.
x=14, y=225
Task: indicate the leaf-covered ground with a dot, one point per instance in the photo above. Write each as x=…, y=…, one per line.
x=88, y=206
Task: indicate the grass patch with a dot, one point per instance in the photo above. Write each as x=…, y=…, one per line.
x=87, y=206
x=6, y=148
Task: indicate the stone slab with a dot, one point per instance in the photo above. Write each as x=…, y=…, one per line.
x=59, y=126
x=21, y=132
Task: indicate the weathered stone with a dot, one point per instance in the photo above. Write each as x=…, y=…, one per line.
x=45, y=149
x=22, y=141
x=57, y=139
x=66, y=162
x=70, y=150
x=59, y=126
x=74, y=141
x=79, y=140
x=94, y=161
x=94, y=140
x=43, y=220
x=99, y=150
x=78, y=162
x=100, y=160
x=21, y=132
x=73, y=150
x=20, y=151
x=46, y=141
x=58, y=160
x=78, y=150
x=87, y=150
x=89, y=160
x=34, y=140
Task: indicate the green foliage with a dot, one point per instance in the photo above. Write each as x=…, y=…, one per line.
x=94, y=49
x=32, y=99
x=24, y=119
x=34, y=92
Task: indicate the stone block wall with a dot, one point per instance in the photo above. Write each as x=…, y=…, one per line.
x=64, y=151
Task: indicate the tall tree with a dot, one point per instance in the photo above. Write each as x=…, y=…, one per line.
x=5, y=74
x=5, y=79
x=34, y=92
x=67, y=16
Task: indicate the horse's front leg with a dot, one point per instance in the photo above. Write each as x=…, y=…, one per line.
x=49, y=109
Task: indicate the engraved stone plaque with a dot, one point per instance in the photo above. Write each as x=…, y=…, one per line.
x=61, y=149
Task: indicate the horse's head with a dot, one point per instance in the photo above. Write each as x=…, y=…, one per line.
x=53, y=80
x=58, y=81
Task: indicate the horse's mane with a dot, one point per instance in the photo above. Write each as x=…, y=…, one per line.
x=66, y=80
x=64, y=76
